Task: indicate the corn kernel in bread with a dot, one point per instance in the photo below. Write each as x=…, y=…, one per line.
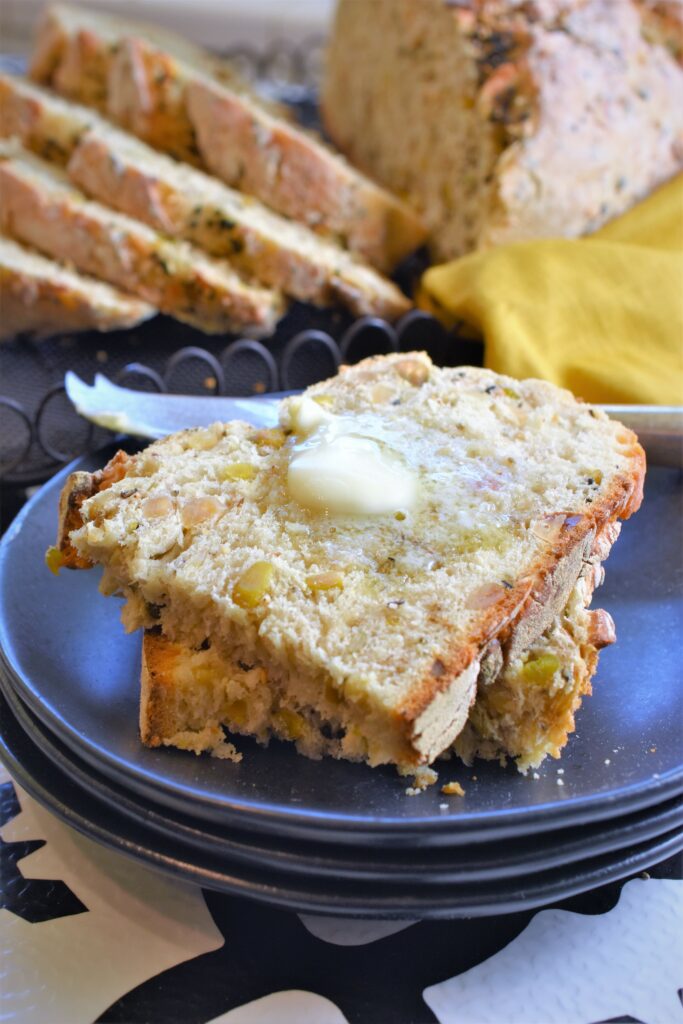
x=518, y=490
x=41, y=297
x=40, y=207
x=507, y=121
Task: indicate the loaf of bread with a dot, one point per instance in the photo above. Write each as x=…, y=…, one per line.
x=503, y=121
x=366, y=603
x=183, y=102
x=40, y=297
x=40, y=207
x=182, y=202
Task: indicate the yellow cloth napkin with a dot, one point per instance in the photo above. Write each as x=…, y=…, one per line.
x=600, y=315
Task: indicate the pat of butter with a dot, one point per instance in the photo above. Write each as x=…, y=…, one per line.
x=339, y=470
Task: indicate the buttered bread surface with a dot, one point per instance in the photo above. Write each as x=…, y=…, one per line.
x=375, y=619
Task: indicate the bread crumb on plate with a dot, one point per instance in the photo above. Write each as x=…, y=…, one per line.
x=453, y=789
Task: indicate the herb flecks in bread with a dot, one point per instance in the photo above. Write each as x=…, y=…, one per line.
x=39, y=206
x=510, y=515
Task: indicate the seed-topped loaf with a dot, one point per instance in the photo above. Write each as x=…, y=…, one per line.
x=40, y=207
x=502, y=120
x=174, y=98
x=40, y=297
x=177, y=200
x=376, y=553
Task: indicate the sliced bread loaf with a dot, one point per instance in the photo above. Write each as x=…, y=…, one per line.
x=41, y=297
x=508, y=121
x=177, y=200
x=183, y=107
x=373, y=554
x=40, y=207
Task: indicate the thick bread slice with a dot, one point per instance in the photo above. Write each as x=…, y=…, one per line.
x=179, y=201
x=40, y=297
x=296, y=174
x=524, y=710
x=379, y=624
x=40, y=207
x=80, y=51
x=183, y=108
x=185, y=203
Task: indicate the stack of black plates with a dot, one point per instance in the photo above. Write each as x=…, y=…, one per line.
x=335, y=837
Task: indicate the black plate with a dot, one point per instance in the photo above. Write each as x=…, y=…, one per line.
x=475, y=863
x=68, y=658
x=80, y=809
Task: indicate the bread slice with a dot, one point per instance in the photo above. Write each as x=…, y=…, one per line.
x=524, y=710
x=87, y=54
x=41, y=297
x=179, y=201
x=508, y=121
x=376, y=621
x=177, y=103
x=299, y=176
x=40, y=207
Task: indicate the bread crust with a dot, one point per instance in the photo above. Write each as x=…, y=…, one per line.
x=505, y=106
x=525, y=611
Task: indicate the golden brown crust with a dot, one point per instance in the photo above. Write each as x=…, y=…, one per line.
x=546, y=586
x=78, y=488
x=204, y=119
x=157, y=718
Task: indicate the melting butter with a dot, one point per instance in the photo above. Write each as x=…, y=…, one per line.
x=343, y=466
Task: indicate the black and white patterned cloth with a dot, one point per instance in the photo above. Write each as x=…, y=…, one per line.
x=90, y=935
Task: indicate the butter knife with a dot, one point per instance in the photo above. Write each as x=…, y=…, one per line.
x=659, y=428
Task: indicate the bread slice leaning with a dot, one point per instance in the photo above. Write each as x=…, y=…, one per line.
x=174, y=98
x=40, y=297
x=40, y=207
x=377, y=629
x=181, y=202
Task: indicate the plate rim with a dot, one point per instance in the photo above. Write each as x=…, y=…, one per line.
x=341, y=904
x=296, y=862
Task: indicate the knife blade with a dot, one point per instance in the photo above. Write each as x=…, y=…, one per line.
x=153, y=415
x=150, y=415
